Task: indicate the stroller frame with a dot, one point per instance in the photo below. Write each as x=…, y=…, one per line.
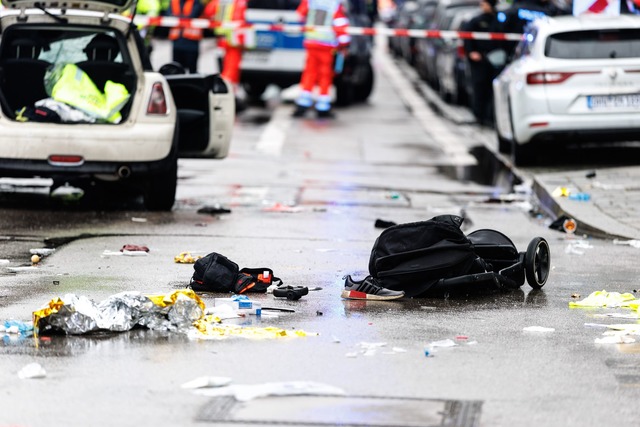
x=505, y=267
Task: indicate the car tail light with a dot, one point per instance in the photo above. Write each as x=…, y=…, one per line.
x=157, y=100
x=550, y=78
x=65, y=160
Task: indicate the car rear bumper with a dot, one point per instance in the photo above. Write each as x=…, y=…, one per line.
x=579, y=128
x=119, y=151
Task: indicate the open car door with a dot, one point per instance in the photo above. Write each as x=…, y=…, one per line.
x=206, y=113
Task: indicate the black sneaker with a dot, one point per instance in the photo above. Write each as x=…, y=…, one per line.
x=368, y=289
x=326, y=114
x=300, y=111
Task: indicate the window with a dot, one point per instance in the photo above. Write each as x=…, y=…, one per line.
x=594, y=44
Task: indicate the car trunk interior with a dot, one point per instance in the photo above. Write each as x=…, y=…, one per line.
x=28, y=52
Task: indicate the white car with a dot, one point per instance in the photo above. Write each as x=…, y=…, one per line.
x=279, y=56
x=572, y=79
x=167, y=114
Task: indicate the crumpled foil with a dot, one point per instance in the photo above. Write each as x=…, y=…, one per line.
x=76, y=315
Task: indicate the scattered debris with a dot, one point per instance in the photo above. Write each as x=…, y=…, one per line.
x=246, y=392
x=214, y=210
x=135, y=219
x=606, y=299
x=576, y=246
x=186, y=258
x=108, y=253
x=134, y=248
x=538, y=329
x=633, y=243
x=279, y=207
x=204, y=382
x=42, y=251
x=32, y=371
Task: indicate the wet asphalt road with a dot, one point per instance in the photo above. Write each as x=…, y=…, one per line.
x=376, y=161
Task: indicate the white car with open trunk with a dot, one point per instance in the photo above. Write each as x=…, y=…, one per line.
x=165, y=114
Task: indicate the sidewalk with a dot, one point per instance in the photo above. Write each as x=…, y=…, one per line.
x=613, y=209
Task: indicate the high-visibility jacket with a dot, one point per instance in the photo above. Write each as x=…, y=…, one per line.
x=187, y=11
x=228, y=13
x=328, y=14
x=72, y=86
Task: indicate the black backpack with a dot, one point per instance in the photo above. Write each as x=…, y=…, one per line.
x=412, y=257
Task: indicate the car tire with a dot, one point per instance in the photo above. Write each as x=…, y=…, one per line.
x=362, y=91
x=504, y=145
x=344, y=93
x=254, y=91
x=159, y=189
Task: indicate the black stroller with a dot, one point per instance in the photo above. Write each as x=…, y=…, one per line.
x=434, y=257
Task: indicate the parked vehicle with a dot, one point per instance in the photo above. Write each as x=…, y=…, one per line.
x=572, y=79
x=162, y=117
x=418, y=20
x=427, y=48
x=279, y=56
x=401, y=20
x=451, y=62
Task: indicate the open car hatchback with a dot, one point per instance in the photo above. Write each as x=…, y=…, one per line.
x=139, y=121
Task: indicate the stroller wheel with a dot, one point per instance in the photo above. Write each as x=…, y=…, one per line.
x=537, y=262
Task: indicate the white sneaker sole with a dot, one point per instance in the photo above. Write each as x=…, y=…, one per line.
x=361, y=295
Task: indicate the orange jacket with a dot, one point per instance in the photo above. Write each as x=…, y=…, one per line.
x=185, y=12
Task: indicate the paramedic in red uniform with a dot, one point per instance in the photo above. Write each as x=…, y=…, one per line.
x=230, y=14
x=186, y=41
x=321, y=45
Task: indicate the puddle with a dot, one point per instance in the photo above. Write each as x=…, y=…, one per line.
x=489, y=170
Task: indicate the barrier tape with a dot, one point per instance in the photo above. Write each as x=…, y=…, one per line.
x=172, y=21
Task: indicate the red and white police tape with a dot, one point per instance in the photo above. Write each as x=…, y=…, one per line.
x=171, y=21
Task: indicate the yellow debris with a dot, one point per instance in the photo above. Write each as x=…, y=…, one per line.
x=607, y=299
x=186, y=258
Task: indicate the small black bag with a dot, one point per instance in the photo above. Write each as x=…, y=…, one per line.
x=412, y=257
x=217, y=273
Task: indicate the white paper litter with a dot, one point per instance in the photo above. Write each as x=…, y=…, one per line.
x=203, y=382
x=32, y=370
x=538, y=329
x=246, y=392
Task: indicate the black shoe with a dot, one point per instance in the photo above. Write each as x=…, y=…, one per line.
x=300, y=111
x=328, y=114
x=368, y=289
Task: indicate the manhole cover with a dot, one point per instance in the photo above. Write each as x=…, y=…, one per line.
x=343, y=411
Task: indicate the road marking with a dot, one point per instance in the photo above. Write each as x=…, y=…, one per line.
x=272, y=138
x=432, y=124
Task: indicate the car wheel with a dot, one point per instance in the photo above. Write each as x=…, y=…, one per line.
x=344, y=92
x=362, y=91
x=504, y=145
x=522, y=153
x=254, y=90
x=160, y=190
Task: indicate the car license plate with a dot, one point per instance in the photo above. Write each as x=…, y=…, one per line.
x=256, y=56
x=613, y=102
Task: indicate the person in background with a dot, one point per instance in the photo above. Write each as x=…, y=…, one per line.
x=186, y=41
x=321, y=46
x=233, y=40
x=482, y=70
x=150, y=8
